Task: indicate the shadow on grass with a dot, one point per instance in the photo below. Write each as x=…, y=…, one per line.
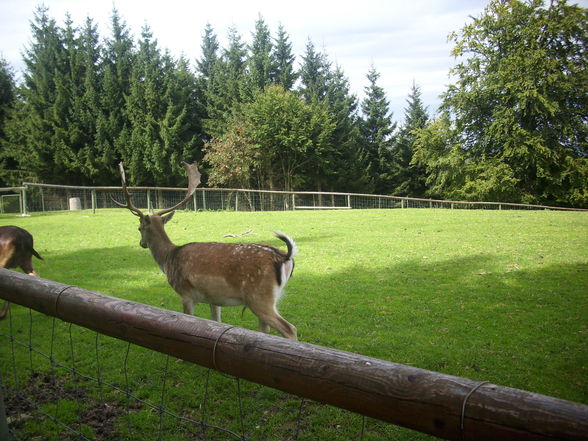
x=478, y=316
x=520, y=326
x=112, y=271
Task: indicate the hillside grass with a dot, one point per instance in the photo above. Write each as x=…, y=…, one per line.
x=499, y=296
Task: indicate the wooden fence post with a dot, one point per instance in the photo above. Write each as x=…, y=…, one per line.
x=94, y=201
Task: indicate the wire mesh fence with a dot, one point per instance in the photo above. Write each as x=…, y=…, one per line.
x=61, y=381
x=45, y=197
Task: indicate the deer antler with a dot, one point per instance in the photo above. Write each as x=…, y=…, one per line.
x=193, y=182
x=129, y=203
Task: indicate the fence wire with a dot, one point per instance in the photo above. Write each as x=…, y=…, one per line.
x=45, y=197
x=57, y=385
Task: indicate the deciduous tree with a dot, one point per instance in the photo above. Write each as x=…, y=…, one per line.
x=520, y=98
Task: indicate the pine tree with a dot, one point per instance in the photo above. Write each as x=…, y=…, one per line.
x=408, y=178
x=259, y=63
x=144, y=158
x=7, y=95
x=314, y=74
x=210, y=46
x=7, y=107
x=377, y=131
x=339, y=167
x=349, y=165
x=112, y=126
x=77, y=103
x=226, y=90
x=160, y=108
x=283, y=72
x=206, y=68
x=32, y=137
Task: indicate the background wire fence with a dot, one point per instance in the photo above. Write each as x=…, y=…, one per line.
x=45, y=197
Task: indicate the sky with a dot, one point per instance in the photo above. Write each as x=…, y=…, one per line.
x=405, y=40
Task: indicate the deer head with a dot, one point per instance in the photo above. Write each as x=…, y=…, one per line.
x=151, y=226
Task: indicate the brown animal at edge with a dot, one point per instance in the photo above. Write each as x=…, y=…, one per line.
x=16, y=250
x=220, y=274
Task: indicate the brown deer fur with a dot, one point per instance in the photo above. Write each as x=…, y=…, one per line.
x=16, y=250
x=220, y=274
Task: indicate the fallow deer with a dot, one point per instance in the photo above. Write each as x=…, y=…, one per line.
x=16, y=250
x=220, y=274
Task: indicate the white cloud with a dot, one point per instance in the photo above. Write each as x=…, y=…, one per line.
x=405, y=40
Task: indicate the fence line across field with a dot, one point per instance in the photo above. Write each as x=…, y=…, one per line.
x=442, y=405
x=35, y=197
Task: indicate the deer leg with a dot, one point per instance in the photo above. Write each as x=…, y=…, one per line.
x=27, y=267
x=215, y=313
x=188, y=305
x=264, y=327
x=4, y=259
x=268, y=316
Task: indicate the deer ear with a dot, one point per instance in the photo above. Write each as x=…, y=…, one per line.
x=167, y=217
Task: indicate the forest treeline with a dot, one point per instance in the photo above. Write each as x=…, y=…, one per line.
x=512, y=126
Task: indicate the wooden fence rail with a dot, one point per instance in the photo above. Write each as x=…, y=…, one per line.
x=446, y=406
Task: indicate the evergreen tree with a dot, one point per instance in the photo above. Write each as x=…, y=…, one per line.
x=77, y=104
x=32, y=133
x=226, y=90
x=377, y=131
x=314, y=74
x=207, y=67
x=159, y=107
x=341, y=168
x=260, y=63
x=181, y=129
x=210, y=46
x=408, y=178
x=233, y=64
x=7, y=105
x=7, y=95
x=283, y=72
x=112, y=126
x=145, y=158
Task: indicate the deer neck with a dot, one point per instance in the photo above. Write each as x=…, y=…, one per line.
x=161, y=248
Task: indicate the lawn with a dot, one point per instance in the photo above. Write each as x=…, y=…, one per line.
x=499, y=296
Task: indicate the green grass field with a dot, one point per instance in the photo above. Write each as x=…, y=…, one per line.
x=499, y=296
